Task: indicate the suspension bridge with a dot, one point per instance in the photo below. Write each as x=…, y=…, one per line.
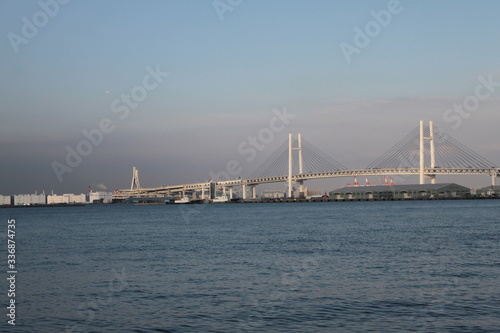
x=427, y=151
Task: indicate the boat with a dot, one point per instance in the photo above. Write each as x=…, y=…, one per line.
x=183, y=200
x=221, y=199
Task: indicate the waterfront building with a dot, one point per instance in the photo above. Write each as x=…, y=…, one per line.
x=273, y=194
x=66, y=199
x=100, y=197
x=489, y=191
x=411, y=191
x=308, y=193
x=5, y=200
x=30, y=199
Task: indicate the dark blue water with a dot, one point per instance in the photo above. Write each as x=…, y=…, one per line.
x=305, y=267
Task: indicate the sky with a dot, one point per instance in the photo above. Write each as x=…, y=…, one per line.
x=90, y=89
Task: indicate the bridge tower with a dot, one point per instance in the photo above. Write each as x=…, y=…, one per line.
x=290, y=164
x=135, y=179
x=422, y=151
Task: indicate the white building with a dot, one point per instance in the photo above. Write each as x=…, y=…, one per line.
x=308, y=193
x=100, y=197
x=78, y=198
x=30, y=199
x=4, y=200
x=66, y=199
x=273, y=194
x=57, y=199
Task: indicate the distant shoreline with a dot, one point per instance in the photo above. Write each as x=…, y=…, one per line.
x=378, y=199
x=45, y=205
x=256, y=201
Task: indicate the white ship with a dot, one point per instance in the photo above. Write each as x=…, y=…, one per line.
x=183, y=200
x=223, y=198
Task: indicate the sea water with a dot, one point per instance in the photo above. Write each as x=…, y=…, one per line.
x=419, y=266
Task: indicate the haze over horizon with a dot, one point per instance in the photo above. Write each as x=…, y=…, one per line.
x=175, y=87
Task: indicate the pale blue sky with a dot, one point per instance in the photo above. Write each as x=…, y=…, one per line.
x=225, y=78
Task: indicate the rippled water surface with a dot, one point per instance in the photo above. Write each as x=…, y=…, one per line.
x=431, y=266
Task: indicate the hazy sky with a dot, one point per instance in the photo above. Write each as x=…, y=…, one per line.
x=357, y=76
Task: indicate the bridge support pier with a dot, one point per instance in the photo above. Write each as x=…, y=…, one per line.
x=244, y=191
x=231, y=192
x=254, y=192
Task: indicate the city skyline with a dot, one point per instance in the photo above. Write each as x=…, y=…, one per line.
x=174, y=88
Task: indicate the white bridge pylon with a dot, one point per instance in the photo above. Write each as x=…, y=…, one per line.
x=290, y=164
x=422, y=152
x=135, y=179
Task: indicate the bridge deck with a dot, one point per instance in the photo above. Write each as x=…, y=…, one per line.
x=305, y=176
